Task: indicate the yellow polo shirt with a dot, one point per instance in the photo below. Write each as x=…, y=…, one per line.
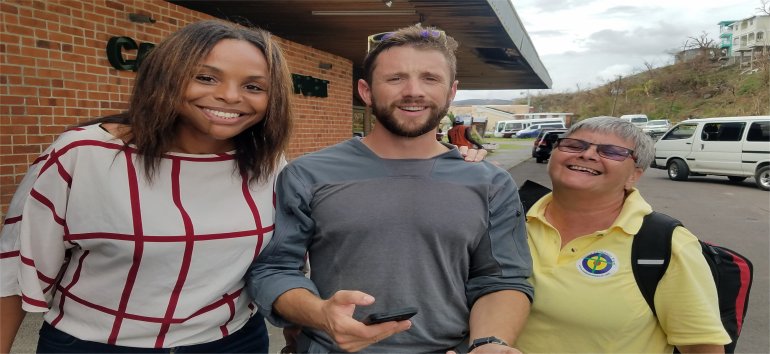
x=586, y=298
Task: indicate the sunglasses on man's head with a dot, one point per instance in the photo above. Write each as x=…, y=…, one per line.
x=374, y=40
x=607, y=151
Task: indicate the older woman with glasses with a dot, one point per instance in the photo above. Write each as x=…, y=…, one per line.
x=580, y=237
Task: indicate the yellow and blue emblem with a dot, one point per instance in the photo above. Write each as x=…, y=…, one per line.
x=598, y=264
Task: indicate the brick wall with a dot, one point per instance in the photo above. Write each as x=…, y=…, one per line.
x=54, y=73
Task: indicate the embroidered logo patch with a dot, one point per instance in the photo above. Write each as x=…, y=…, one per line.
x=598, y=264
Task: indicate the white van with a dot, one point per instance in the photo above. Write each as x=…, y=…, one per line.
x=736, y=147
x=508, y=128
x=639, y=120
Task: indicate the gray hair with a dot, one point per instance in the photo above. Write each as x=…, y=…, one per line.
x=644, y=151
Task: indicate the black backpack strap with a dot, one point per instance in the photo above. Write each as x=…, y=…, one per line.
x=530, y=192
x=651, y=253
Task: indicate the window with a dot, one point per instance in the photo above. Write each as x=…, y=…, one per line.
x=760, y=36
x=731, y=131
x=759, y=131
x=682, y=131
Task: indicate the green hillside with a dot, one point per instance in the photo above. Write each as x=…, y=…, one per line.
x=699, y=88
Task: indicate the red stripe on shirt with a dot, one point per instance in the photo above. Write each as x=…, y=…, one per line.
x=167, y=238
x=42, y=277
x=75, y=278
x=34, y=302
x=186, y=258
x=45, y=201
x=56, y=154
x=12, y=220
x=79, y=143
x=150, y=319
x=48, y=162
x=39, y=158
x=63, y=173
x=58, y=276
x=136, y=214
x=220, y=157
x=213, y=306
x=223, y=328
x=254, y=211
x=10, y=254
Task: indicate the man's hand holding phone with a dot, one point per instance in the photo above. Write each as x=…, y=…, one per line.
x=391, y=315
x=350, y=334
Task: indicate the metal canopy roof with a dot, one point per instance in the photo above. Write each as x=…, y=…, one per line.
x=495, y=51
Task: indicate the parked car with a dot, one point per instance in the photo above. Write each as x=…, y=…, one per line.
x=544, y=142
x=656, y=127
x=534, y=129
x=735, y=147
x=639, y=120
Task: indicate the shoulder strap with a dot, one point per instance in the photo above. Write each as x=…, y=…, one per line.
x=530, y=192
x=651, y=253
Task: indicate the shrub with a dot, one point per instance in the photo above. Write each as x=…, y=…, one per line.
x=750, y=85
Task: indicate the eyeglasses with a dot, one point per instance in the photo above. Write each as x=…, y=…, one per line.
x=607, y=151
x=374, y=40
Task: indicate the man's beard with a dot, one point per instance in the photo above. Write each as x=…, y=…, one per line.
x=385, y=116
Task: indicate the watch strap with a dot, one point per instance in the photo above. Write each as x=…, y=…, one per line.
x=486, y=340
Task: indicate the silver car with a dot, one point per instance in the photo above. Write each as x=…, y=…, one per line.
x=657, y=127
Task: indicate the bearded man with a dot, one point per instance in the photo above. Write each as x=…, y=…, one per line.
x=397, y=219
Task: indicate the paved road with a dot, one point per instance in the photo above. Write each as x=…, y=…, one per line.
x=733, y=215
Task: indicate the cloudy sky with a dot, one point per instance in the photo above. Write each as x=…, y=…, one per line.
x=585, y=43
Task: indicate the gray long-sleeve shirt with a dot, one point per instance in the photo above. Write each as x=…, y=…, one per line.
x=433, y=233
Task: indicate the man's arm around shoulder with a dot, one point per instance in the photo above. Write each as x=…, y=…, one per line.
x=500, y=314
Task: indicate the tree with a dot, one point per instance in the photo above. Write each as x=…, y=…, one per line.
x=705, y=49
x=764, y=7
x=701, y=42
x=649, y=68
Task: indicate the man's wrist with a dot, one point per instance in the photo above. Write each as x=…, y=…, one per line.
x=486, y=340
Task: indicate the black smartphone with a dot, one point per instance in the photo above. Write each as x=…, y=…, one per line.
x=393, y=315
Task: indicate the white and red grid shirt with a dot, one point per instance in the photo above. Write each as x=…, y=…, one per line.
x=146, y=264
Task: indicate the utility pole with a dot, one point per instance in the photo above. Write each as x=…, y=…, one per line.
x=615, y=94
x=529, y=103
